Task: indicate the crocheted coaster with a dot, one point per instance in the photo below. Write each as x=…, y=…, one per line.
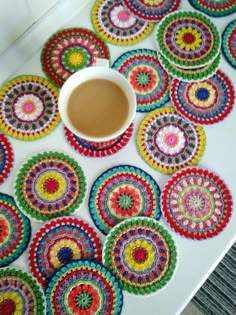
x=49, y=185
x=142, y=254
x=150, y=10
x=216, y=8
x=229, y=43
x=116, y=25
x=123, y=192
x=188, y=39
x=191, y=75
x=196, y=203
x=146, y=75
x=70, y=50
x=28, y=107
x=58, y=243
x=15, y=231
x=100, y=149
x=167, y=142
x=204, y=102
x=20, y=293
x=84, y=287
x=6, y=158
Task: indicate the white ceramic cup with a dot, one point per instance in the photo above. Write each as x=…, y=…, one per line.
x=96, y=73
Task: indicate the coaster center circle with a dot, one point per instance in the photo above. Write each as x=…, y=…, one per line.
x=65, y=254
x=202, y=94
x=125, y=201
x=28, y=107
x=123, y=16
x=140, y=254
x=51, y=185
x=188, y=38
x=76, y=58
x=84, y=300
x=7, y=307
x=171, y=139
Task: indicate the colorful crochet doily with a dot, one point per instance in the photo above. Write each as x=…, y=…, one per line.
x=15, y=231
x=167, y=142
x=116, y=25
x=29, y=107
x=6, y=158
x=151, y=10
x=188, y=39
x=70, y=50
x=49, y=185
x=20, y=293
x=84, y=287
x=142, y=254
x=191, y=75
x=60, y=242
x=204, y=102
x=146, y=75
x=196, y=203
x=215, y=8
x=100, y=149
x=229, y=43
x=123, y=192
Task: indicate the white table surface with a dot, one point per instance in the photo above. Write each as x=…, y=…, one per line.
x=196, y=259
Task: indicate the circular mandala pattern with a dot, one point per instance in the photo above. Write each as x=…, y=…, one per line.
x=151, y=10
x=84, y=287
x=215, y=8
x=149, y=80
x=167, y=142
x=98, y=149
x=70, y=50
x=142, y=254
x=49, y=185
x=204, y=102
x=29, y=107
x=188, y=39
x=59, y=242
x=6, y=157
x=15, y=231
x=229, y=43
x=116, y=25
x=123, y=192
x=196, y=203
x=20, y=293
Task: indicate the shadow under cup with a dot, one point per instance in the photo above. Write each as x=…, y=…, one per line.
x=92, y=75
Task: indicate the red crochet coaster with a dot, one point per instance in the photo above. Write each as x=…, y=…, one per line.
x=6, y=157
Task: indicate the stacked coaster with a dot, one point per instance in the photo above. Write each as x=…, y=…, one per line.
x=116, y=25
x=229, y=43
x=6, y=157
x=215, y=8
x=196, y=203
x=60, y=242
x=123, y=192
x=142, y=254
x=188, y=40
x=49, y=185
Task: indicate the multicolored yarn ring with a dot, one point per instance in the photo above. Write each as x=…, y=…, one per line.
x=59, y=242
x=20, y=293
x=167, y=142
x=70, y=50
x=86, y=288
x=142, y=254
x=6, y=157
x=15, y=231
x=204, y=102
x=29, y=107
x=229, y=43
x=98, y=149
x=116, y=25
x=49, y=185
x=123, y=192
x=196, y=203
x=215, y=8
x=146, y=75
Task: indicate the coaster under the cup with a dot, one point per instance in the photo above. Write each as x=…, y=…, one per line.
x=15, y=231
x=142, y=254
x=6, y=157
x=84, y=287
x=204, y=102
x=98, y=149
x=149, y=80
x=215, y=8
x=229, y=43
x=149, y=10
x=113, y=22
x=196, y=203
x=70, y=50
x=48, y=185
x=29, y=107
